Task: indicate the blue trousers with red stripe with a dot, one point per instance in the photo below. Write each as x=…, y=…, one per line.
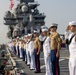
x=37, y=60
x=55, y=63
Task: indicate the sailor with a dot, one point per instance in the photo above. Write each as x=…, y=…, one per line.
x=31, y=50
x=27, y=51
x=72, y=48
x=46, y=50
x=37, y=47
x=41, y=37
x=10, y=46
x=67, y=33
x=55, y=49
x=17, y=46
x=20, y=52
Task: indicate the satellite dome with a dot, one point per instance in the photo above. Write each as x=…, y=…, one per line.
x=24, y=8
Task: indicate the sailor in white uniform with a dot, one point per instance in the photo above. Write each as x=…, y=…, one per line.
x=27, y=51
x=31, y=50
x=10, y=46
x=20, y=52
x=72, y=48
x=46, y=50
x=67, y=33
x=17, y=46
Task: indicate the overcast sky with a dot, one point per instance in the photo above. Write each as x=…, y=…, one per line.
x=56, y=11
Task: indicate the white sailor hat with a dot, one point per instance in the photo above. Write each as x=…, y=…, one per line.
x=43, y=30
x=53, y=25
x=44, y=27
x=72, y=23
x=35, y=31
x=17, y=37
x=29, y=34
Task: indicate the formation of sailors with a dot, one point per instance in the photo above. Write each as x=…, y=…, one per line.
x=29, y=47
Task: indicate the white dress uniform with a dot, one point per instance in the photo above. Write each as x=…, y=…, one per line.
x=46, y=50
x=27, y=53
x=20, y=50
x=67, y=33
x=41, y=38
x=72, y=59
x=31, y=50
x=17, y=48
x=11, y=47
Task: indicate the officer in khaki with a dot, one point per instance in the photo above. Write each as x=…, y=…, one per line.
x=55, y=49
x=37, y=47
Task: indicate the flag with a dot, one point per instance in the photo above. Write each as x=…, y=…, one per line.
x=11, y=4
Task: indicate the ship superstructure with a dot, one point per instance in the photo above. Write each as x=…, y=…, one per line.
x=25, y=18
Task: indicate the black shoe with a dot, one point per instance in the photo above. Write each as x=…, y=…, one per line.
x=37, y=72
x=32, y=69
x=28, y=65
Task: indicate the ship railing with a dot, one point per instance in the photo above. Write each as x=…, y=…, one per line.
x=11, y=66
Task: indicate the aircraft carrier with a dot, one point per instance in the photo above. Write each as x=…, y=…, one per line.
x=25, y=18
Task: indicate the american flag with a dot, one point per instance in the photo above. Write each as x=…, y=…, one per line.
x=11, y=4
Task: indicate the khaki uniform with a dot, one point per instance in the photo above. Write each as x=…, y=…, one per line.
x=22, y=45
x=36, y=43
x=17, y=45
x=14, y=43
x=37, y=46
x=55, y=41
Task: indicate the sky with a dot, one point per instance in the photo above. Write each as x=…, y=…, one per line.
x=56, y=11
